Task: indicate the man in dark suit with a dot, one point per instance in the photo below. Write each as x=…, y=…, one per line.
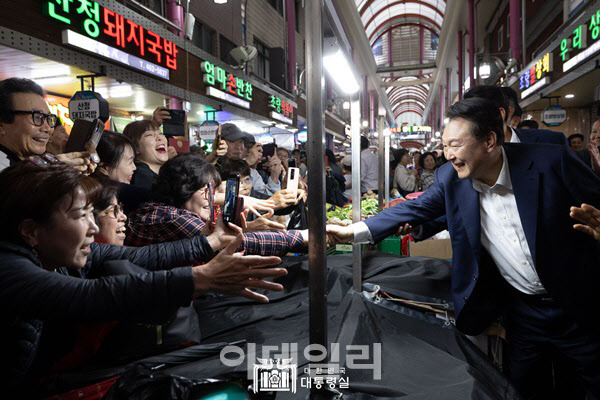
x=506, y=100
x=515, y=252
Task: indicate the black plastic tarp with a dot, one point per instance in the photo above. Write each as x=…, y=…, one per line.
x=423, y=356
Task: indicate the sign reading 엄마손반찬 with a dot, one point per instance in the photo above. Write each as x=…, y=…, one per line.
x=101, y=24
x=225, y=81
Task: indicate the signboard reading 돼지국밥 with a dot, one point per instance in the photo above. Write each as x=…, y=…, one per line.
x=88, y=105
x=112, y=29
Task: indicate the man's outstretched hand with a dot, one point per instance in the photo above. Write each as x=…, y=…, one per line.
x=337, y=234
x=589, y=217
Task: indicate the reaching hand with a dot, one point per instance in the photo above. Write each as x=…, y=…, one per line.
x=222, y=234
x=255, y=205
x=79, y=160
x=222, y=149
x=405, y=230
x=339, y=234
x=284, y=198
x=263, y=224
x=172, y=152
x=159, y=115
x=590, y=218
x=234, y=274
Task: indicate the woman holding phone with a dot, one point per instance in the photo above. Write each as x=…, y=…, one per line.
x=182, y=210
x=47, y=252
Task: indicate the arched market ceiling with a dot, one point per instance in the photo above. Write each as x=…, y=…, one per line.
x=402, y=21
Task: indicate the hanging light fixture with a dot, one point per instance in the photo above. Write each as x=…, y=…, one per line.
x=484, y=70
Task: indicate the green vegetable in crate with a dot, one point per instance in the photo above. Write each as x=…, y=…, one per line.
x=369, y=207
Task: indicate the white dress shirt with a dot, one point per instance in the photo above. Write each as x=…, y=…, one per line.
x=514, y=138
x=369, y=171
x=502, y=233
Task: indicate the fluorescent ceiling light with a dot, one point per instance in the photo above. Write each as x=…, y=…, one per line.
x=53, y=80
x=569, y=96
x=220, y=1
x=339, y=70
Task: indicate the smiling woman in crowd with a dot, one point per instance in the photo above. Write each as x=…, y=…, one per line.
x=151, y=153
x=47, y=250
x=117, y=155
x=182, y=209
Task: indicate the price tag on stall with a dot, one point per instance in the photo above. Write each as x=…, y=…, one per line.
x=88, y=105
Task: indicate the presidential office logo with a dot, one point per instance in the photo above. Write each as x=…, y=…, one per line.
x=279, y=376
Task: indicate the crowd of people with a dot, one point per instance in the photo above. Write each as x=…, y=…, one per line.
x=74, y=226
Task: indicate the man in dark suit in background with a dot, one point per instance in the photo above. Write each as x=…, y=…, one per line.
x=515, y=251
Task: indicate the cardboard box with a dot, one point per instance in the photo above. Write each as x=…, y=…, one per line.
x=441, y=248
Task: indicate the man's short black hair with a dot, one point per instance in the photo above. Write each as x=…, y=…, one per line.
x=575, y=136
x=295, y=151
x=492, y=93
x=483, y=115
x=15, y=85
x=528, y=124
x=364, y=143
x=513, y=101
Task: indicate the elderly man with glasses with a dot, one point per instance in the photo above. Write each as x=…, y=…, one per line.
x=26, y=125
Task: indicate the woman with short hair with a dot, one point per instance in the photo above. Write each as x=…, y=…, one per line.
x=47, y=252
x=182, y=209
x=117, y=158
x=427, y=164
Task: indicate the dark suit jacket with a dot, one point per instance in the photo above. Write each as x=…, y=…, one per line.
x=525, y=136
x=547, y=180
x=541, y=136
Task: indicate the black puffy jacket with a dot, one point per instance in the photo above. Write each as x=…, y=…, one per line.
x=30, y=295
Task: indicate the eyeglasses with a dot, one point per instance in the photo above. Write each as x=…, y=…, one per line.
x=117, y=209
x=39, y=117
x=44, y=160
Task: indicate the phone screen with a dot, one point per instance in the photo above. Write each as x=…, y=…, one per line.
x=231, y=194
x=292, y=163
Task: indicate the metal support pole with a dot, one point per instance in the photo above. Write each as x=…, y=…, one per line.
x=515, y=30
x=390, y=61
x=386, y=159
x=460, y=65
x=381, y=153
x=355, y=124
x=523, y=33
x=291, y=43
x=421, y=48
x=442, y=106
x=317, y=261
x=471, y=43
x=448, y=86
